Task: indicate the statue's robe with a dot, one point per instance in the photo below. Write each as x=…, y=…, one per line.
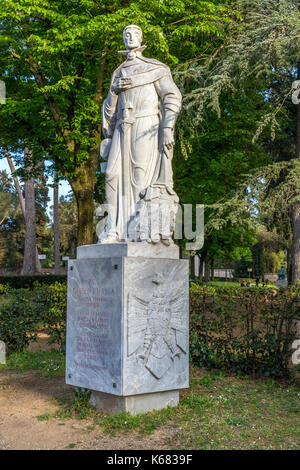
x=134, y=119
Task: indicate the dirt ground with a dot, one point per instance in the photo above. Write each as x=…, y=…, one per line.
x=25, y=396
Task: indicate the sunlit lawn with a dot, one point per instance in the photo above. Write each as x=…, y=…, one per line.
x=218, y=411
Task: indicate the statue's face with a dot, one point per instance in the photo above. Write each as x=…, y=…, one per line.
x=132, y=38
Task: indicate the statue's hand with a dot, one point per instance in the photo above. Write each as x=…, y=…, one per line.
x=121, y=84
x=167, y=139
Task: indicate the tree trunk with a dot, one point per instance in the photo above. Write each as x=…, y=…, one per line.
x=295, y=210
x=16, y=181
x=29, y=262
x=22, y=202
x=289, y=265
x=295, y=255
x=201, y=268
x=206, y=270
x=83, y=186
x=192, y=267
x=212, y=271
x=56, y=227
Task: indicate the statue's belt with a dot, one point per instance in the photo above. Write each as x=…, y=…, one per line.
x=127, y=115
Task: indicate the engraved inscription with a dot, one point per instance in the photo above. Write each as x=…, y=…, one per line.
x=92, y=325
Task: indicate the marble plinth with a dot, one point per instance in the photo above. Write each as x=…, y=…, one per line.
x=281, y=283
x=127, y=327
x=135, y=249
x=134, y=404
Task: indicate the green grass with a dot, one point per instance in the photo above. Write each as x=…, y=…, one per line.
x=218, y=411
x=237, y=284
x=222, y=283
x=239, y=413
x=44, y=417
x=47, y=363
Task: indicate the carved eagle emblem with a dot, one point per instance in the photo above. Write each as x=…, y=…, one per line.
x=156, y=333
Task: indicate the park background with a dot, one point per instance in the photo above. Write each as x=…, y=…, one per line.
x=237, y=152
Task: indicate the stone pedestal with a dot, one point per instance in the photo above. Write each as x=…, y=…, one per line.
x=134, y=404
x=127, y=325
x=280, y=283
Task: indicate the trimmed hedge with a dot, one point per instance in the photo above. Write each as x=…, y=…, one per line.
x=22, y=282
x=24, y=311
x=245, y=330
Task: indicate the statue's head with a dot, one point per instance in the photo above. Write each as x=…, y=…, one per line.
x=132, y=36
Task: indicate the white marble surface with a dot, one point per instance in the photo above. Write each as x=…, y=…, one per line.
x=138, y=119
x=134, y=404
x=127, y=325
x=94, y=324
x=135, y=249
x=281, y=283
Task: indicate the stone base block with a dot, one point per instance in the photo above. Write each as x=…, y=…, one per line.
x=281, y=283
x=135, y=249
x=127, y=325
x=134, y=404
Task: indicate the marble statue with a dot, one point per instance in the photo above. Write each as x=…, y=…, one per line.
x=128, y=295
x=139, y=116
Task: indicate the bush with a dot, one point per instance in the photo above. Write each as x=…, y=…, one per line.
x=19, y=319
x=24, y=311
x=22, y=282
x=53, y=303
x=245, y=330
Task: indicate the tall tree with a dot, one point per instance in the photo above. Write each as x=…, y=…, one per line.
x=219, y=153
x=21, y=200
x=58, y=57
x=29, y=262
x=68, y=225
x=56, y=225
x=263, y=43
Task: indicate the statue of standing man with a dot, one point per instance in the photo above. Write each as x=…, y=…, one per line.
x=139, y=116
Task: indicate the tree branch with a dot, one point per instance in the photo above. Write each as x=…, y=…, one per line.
x=57, y=116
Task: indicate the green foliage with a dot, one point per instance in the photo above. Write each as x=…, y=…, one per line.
x=241, y=268
x=146, y=423
x=58, y=58
x=79, y=407
x=26, y=281
x=23, y=311
x=259, y=46
x=44, y=417
x=52, y=301
x=220, y=152
x=19, y=319
x=68, y=220
x=259, y=56
x=245, y=330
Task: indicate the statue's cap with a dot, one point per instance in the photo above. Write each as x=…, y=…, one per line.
x=133, y=26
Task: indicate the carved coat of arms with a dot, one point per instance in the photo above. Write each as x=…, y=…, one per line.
x=157, y=334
